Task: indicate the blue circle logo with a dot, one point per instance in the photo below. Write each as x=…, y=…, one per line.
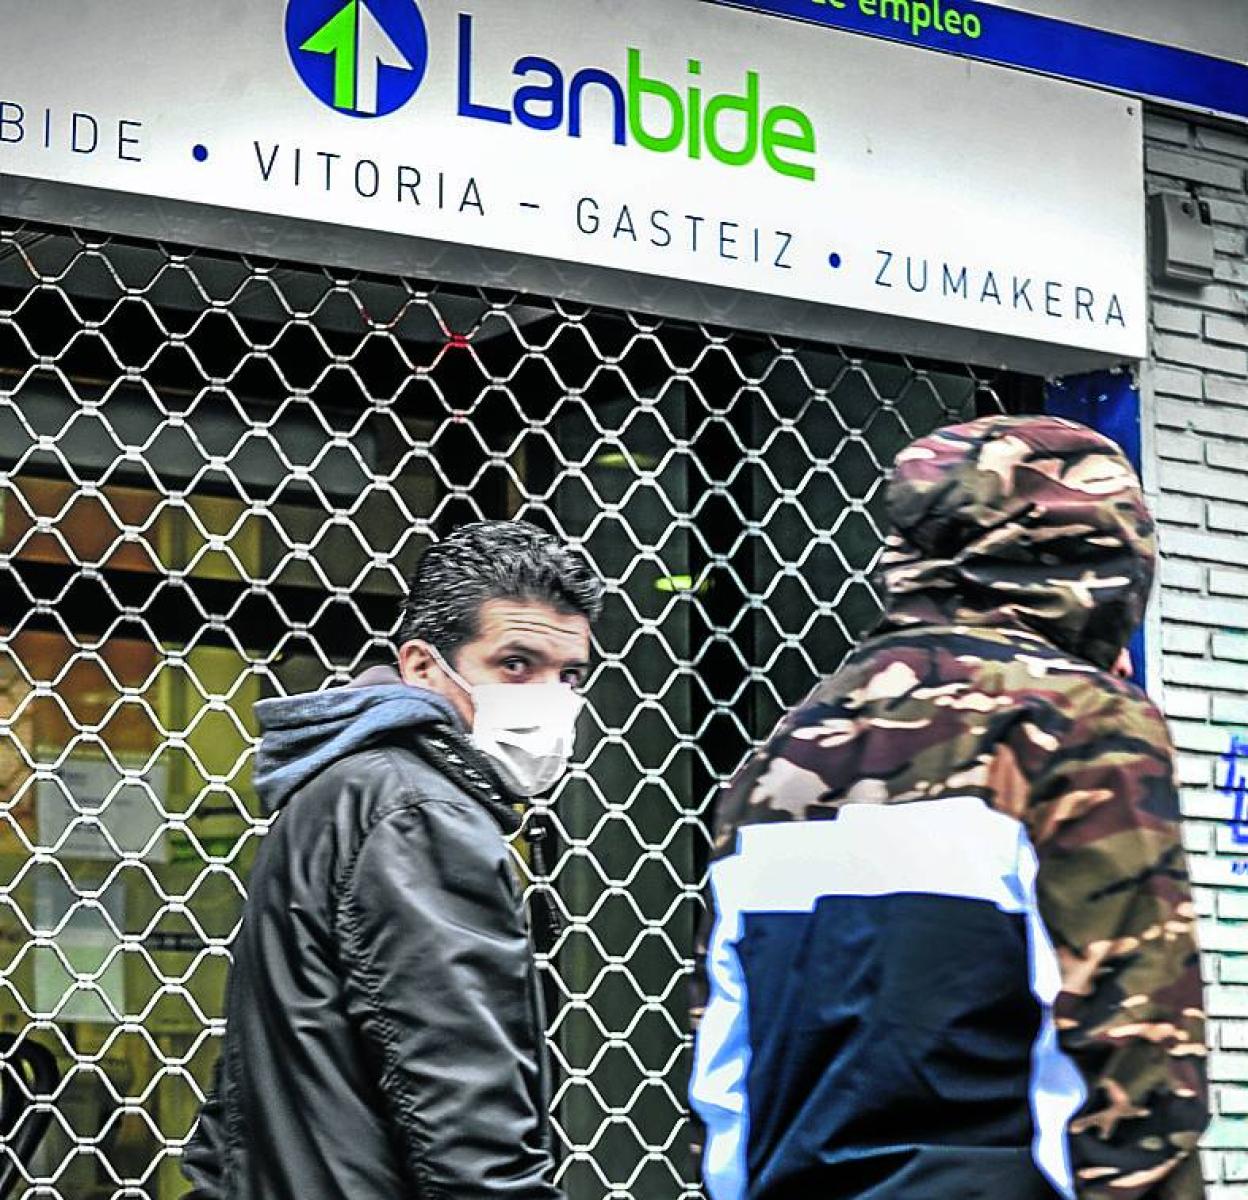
x=365, y=58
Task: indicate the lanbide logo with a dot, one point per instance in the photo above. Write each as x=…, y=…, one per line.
x=734, y=127
x=364, y=58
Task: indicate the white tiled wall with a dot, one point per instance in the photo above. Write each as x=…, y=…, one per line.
x=1197, y=404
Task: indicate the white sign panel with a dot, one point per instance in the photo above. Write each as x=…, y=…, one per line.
x=670, y=137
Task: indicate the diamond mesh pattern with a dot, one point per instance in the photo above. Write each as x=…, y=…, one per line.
x=216, y=471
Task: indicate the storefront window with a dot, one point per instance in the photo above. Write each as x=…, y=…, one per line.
x=216, y=473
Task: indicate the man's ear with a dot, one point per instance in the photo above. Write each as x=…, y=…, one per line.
x=417, y=666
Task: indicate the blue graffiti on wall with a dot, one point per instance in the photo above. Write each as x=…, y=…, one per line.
x=1235, y=785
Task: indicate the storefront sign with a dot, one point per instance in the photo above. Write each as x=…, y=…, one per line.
x=667, y=137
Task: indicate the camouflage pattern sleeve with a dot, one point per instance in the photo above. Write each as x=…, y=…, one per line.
x=1114, y=893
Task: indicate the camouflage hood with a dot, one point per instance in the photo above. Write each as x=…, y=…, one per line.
x=1031, y=522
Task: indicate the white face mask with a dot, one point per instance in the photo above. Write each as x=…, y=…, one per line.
x=526, y=729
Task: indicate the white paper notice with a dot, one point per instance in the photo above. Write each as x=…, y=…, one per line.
x=101, y=802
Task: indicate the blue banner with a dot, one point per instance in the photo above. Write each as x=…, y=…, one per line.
x=1034, y=43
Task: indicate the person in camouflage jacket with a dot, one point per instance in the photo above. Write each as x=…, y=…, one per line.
x=952, y=951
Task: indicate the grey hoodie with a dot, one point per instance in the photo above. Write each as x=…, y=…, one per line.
x=304, y=734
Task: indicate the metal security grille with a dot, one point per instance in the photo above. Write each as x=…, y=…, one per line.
x=216, y=472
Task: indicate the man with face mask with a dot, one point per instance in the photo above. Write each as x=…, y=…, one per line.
x=384, y=1023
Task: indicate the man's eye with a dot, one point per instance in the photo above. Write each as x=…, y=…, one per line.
x=515, y=665
x=572, y=678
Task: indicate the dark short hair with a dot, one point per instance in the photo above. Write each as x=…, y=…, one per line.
x=492, y=560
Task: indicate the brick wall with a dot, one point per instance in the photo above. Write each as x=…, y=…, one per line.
x=1196, y=422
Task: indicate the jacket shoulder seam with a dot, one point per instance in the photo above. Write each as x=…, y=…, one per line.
x=407, y=801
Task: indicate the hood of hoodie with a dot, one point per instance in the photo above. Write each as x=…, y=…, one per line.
x=302, y=735
x=1028, y=522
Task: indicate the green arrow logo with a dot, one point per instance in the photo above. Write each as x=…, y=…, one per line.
x=337, y=37
x=360, y=46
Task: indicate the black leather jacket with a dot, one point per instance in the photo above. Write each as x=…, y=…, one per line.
x=384, y=1033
